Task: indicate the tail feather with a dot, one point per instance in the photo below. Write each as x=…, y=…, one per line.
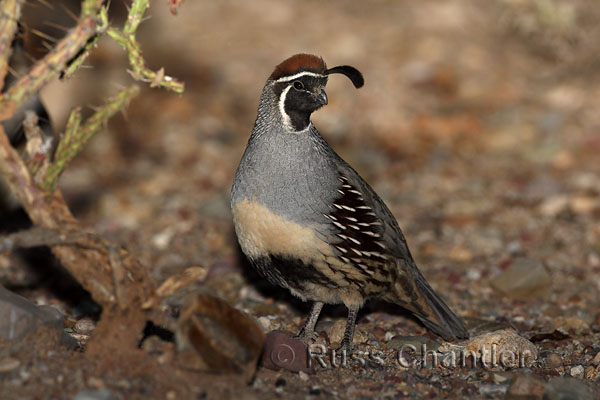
x=440, y=319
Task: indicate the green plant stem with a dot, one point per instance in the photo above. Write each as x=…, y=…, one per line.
x=77, y=134
x=134, y=18
x=126, y=39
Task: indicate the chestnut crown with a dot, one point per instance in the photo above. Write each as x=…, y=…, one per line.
x=299, y=82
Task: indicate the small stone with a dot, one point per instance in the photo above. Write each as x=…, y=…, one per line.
x=592, y=372
x=554, y=205
x=265, y=323
x=101, y=394
x=96, y=383
x=84, y=326
x=523, y=279
x=283, y=351
x=500, y=376
x=571, y=324
x=9, y=364
x=525, y=387
x=19, y=316
x=577, y=371
x=379, y=333
x=596, y=359
x=336, y=333
x=490, y=390
x=459, y=253
x=505, y=348
x=563, y=387
x=303, y=376
x=584, y=204
x=553, y=360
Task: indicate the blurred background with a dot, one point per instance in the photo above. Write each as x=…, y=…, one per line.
x=478, y=125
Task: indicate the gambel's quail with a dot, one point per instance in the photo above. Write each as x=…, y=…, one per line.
x=309, y=223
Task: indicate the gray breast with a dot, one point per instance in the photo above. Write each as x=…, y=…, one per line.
x=293, y=174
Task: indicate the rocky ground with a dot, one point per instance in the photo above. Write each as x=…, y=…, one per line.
x=478, y=125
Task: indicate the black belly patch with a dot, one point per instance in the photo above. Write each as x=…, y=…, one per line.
x=290, y=272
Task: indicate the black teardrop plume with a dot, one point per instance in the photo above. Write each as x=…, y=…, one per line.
x=352, y=73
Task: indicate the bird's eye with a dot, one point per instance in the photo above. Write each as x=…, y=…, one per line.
x=298, y=85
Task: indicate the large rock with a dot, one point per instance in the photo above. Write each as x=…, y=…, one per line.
x=525, y=387
x=19, y=316
x=566, y=388
x=212, y=336
x=504, y=349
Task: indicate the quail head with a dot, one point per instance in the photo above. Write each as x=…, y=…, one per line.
x=308, y=222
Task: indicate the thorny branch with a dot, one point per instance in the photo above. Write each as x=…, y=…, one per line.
x=10, y=13
x=37, y=236
x=77, y=134
x=107, y=271
x=51, y=65
x=126, y=39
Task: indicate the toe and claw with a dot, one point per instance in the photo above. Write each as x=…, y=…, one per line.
x=307, y=333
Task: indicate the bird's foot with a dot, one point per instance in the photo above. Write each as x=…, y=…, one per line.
x=345, y=346
x=307, y=336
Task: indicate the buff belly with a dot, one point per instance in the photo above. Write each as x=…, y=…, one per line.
x=291, y=255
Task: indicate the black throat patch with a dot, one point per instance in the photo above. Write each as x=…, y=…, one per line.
x=298, y=99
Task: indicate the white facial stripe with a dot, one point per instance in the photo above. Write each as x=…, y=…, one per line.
x=300, y=74
x=287, y=123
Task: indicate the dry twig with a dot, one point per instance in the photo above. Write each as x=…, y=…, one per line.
x=114, y=278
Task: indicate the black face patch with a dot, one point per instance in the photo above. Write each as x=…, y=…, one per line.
x=303, y=97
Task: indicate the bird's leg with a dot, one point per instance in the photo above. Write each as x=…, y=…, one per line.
x=349, y=332
x=307, y=332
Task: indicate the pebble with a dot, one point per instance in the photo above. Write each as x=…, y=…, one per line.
x=96, y=383
x=571, y=324
x=336, y=333
x=525, y=386
x=554, y=205
x=265, y=323
x=490, y=390
x=101, y=394
x=577, y=371
x=85, y=326
x=303, y=376
x=523, y=279
x=9, y=364
x=592, y=372
x=553, y=360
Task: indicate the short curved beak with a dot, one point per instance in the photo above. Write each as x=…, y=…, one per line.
x=322, y=98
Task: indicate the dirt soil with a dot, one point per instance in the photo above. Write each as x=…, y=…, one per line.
x=478, y=125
